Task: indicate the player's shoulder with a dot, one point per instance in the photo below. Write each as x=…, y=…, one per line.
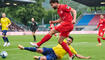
x=6, y=17
x=63, y=5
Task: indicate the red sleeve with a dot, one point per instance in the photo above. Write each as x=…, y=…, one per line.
x=66, y=8
x=104, y=20
x=98, y=25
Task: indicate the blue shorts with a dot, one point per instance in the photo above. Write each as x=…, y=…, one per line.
x=49, y=53
x=4, y=32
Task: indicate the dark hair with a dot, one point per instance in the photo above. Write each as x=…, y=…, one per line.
x=71, y=38
x=54, y=1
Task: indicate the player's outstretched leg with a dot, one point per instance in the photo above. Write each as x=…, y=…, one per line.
x=5, y=42
x=8, y=43
x=33, y=49
x=45, y=38
x=99, y=41
x=65, y=46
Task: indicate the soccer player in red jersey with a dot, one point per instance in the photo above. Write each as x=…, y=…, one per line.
x=101, y=26
x=66, y=23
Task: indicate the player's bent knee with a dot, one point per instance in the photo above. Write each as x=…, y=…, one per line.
x=60, y=42
x=43, y=58
x=51, y=32
x=39, y=50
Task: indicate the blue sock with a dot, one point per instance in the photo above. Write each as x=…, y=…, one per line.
x=39, y=58
x=30, y=48
x=4, y=38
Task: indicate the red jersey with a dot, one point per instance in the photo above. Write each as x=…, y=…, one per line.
x=64, y=13
x=101, y=23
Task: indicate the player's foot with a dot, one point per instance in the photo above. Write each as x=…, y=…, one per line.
x=5, y=43
x=36, y=57
x=34, y=44
x=99, y=44
x=8, y=44
x=88, y=57
x=21, y=47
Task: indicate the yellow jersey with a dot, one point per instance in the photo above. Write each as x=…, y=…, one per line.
x=60, y=52
x=4, y=23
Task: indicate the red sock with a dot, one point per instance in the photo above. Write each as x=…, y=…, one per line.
x=103, y=38
x=99, y=40
x=44, y=39
x=66, y=48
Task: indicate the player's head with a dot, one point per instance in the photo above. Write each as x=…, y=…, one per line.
x=32, y=19
x=54, y=3
x=3, y=15
x=101, y=16
x=69, y=40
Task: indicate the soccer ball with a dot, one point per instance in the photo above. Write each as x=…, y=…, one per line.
x=3, y=54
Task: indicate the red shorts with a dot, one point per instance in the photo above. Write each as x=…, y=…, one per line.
x=100, y=32
x=64, y=28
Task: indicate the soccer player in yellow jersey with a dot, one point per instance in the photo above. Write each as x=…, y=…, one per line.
x=5, y=23
x=54, y=53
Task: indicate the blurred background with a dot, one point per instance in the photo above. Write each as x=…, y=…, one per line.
x=20, y=13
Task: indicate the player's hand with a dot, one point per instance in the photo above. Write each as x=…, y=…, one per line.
x=51, y=22
x=88, y=57
x=50, y=27
x=74, y=21
x=7, y=26
x=36, y=57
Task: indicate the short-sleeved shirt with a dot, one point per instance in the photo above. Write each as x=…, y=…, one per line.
x=4, y=23
x=101, y=23
x=60, y=52
x=33, y=26
x=64, y=13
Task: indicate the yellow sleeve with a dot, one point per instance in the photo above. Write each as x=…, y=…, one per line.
x=9, y=20
x=72, y=50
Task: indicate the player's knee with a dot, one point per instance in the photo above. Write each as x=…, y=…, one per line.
x=43, y=58
x=60, y=42
x=51, y=33
x=39, y=50
x=4, y=36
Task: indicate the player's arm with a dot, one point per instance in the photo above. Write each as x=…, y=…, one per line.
x=82, y=57
x=74, y=15
x=56, y=21
x=0, y=22
x=98, y=25
x=9, y=23
x=73, y=11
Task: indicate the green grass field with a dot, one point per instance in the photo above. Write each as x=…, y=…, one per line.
x=84, y=44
